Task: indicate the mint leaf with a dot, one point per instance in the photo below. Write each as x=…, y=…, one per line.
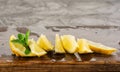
x=27, y=51
x=23, y=39
x=21, y=36
x=17, y=41
x=27, y=36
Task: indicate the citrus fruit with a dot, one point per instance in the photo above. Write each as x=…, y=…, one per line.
x=44, y=43
x=58, y=45
x=35, y=49
x=83, y=46
x=17, y=48
x=69, y=43
x=100, y=48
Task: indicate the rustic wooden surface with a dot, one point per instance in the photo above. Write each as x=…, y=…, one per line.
x=96, y=20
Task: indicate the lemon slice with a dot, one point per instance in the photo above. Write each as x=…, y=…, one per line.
x=83, y=46
x=17, y=48
x=35, y=49
x=58, y=45
x=100, y=48
x=44, y=43
x=69, y=43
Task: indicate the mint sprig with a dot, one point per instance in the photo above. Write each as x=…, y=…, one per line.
x=23, y=39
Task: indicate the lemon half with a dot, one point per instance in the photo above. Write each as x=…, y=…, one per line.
x=19, y=50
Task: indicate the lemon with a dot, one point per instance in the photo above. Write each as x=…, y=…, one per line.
x=100, y=48
x=83, y=46
x=35, y=49
x=44, y=43
x=69, y=43
x=58, y=45
x=17, y=48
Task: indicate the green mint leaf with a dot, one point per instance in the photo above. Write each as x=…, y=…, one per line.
x=27, y=36
x=23, y=39
x=27, y=50
x=17, y=41
x=21, y=36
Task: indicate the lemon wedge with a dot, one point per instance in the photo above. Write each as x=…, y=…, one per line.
x=18, y=49
x=83, y=46
x=44, y=43
x=58, y=45
x=100, y=48
x=69, y=43
x=35, y=49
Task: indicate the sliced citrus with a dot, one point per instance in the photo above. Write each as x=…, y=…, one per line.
x=17, y=48
x=100, y=48
x=58, y=45
x=44, y=43
x=35, y=49
x=69, y=43
x=83, y=46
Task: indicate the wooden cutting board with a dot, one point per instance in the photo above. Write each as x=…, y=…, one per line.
x=62, y=62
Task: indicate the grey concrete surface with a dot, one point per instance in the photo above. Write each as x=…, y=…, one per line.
x=59, y=12
x=97, y=20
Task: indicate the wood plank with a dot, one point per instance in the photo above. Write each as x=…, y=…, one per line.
x=61, y=62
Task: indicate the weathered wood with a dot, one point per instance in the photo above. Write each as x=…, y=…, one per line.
x=44, y=64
